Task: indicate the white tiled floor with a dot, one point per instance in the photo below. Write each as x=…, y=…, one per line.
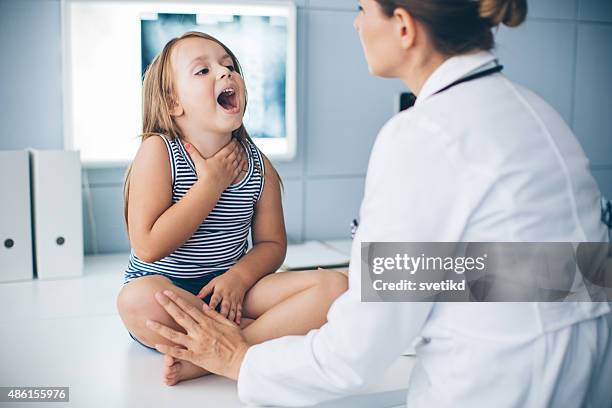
x=68, y=333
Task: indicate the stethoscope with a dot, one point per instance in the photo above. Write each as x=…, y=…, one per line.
x=606, y=206
x=481, y=74
x=408, y=99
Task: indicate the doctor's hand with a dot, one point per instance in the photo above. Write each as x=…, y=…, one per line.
x=212, y=342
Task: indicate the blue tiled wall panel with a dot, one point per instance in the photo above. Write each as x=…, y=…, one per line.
x=560, y=9
x=540, y=55
x=595, y=10
x=31, y=75
x=293, y=207
x=593, y=100
x=604, y=180
x=334, y=4
x=108, y=217
x=331, y=205
x=102, y=175
x=346, y=107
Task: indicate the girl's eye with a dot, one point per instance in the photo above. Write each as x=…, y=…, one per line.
x=203, y=71
x=359, y=8
x=231, y=68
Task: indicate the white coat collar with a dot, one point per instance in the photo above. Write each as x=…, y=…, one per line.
x=453, y=69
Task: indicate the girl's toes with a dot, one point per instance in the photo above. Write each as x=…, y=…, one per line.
x=168, y=360
x=171, y=372
x=171, y=378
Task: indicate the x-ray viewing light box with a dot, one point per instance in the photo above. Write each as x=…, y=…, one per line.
x=109, y=43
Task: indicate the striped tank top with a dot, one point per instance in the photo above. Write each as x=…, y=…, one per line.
x=221, y=240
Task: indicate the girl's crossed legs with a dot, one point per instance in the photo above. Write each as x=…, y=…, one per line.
x=279, y=304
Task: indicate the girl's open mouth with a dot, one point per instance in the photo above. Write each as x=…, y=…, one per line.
x=228, y=100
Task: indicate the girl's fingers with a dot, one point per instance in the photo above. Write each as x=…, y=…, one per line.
x=238, y=313
x=205, y=291
x=216, y=316
x=238, y=150
x=233, y=310
x=227, y=149
x=225, y=307
x=232, y=156
x=214, y=300
x=235, y=145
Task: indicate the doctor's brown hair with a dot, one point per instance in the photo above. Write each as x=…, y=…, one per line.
x=460, y=26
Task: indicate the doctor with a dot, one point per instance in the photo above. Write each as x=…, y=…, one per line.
x=478, y=158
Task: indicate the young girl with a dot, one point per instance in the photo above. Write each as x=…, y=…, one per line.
x=197, y=185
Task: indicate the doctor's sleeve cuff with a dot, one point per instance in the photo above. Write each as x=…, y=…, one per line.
x=266, y=378
x=243, y=385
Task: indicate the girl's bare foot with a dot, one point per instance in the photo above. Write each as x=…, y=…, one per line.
x=176, y=370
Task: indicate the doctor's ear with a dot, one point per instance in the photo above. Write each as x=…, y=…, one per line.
x=174, y=107
x=406, y=27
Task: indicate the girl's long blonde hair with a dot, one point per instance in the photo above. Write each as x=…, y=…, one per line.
x=157, y=95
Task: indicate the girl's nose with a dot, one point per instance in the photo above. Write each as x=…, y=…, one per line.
x=224, y=72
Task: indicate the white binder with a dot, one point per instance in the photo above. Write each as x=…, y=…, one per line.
x=15, y=225
x=58, y=213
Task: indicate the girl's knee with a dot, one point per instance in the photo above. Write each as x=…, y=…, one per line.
x=139, y=293
x=136, y=304
x=334, y=283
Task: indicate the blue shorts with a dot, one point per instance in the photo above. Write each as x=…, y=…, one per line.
x=192, y=286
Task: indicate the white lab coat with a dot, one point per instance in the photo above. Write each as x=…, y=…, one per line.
x=486, y=160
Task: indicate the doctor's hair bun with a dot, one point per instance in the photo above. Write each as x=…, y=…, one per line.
x=457, y=27
x=508, y=12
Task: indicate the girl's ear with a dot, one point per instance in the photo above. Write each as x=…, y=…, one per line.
x=175, y=107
